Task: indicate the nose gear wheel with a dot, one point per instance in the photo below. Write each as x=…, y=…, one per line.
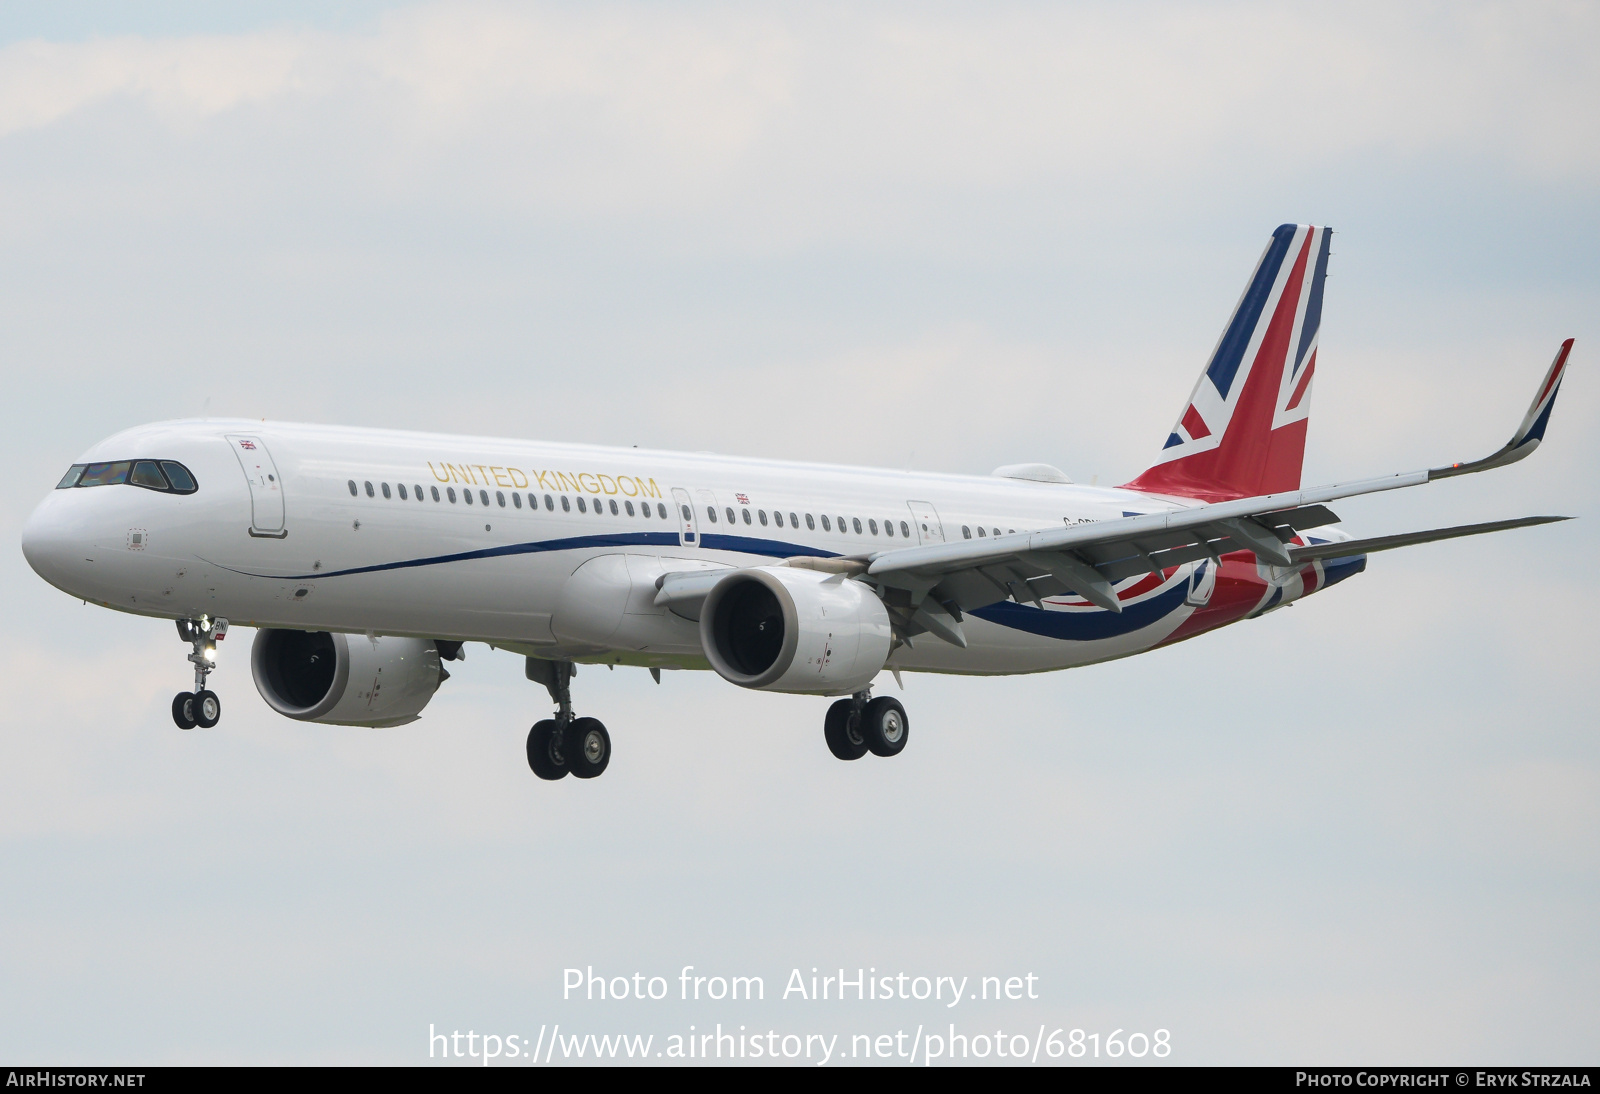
x=199, y=707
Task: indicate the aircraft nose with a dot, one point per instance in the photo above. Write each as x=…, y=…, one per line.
x=47, y=542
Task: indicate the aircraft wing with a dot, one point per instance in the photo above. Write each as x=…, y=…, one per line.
x=1087, y=559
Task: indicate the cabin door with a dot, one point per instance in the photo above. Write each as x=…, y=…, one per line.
x=266, y=490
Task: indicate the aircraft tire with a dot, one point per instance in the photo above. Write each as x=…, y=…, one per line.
x=207, y=709
x=836, y=730
x=885, y=726
x=541, y=754
x=183, y=709
x=587, y=748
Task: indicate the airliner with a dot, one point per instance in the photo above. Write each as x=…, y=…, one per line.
x=366, y=558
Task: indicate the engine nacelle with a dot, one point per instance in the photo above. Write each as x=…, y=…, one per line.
x=780, y=629
x=314, y=676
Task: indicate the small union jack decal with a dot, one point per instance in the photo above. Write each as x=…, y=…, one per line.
x=248, y=444
x=741, y=499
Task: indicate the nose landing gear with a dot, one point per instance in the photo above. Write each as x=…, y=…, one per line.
x=862, y=724
x=565, y=744
x=200, y=707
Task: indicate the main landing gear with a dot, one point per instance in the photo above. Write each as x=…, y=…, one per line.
x=564, y=744
x=862, y=724
x=200, y=707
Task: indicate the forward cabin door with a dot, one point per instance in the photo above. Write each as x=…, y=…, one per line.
x=925, y=519
x=266, y=490
x=687, y=536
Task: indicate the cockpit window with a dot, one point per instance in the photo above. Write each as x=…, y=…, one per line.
x=105, y=474
x=145, y=473
x=178, y=475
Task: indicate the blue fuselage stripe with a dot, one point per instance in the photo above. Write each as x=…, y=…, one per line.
x=708, y=541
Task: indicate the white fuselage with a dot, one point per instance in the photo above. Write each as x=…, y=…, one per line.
x=545, y=558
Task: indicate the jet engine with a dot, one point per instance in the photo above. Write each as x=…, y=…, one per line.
x=774, y=628
x=346, y=680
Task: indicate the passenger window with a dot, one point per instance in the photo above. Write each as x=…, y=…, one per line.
x=746, y=513
x=762, y=513
x=857, y=522
x=434, y=490
x=904, y=531
x=583, y=506
x=466, y=496
x=418, y=489
x=825, y=526
x=386, y=490
x=370, y=493
x=997, y=531
x=550, y=503
x=686, y=514
x=483, y=496
x=872, y=526
x=628, y=505
x=711, y=513
x=966, y=533
x=402, y=488
x=499, y=497
x=147, y=475
x=794, y=520
x=777, y=517
x=450, y=492
x=353, y=491
x=811, y=524
x=888, y=527
x=613, y=506
x=843, y=527
x=731, y=518
x=565, y=508
x=70, y=479
x=981, y=532
x=178, y=475
x=516, y=500
x=661, y=510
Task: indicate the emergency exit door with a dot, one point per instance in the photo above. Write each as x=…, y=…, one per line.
x=686, y=519
x=925, y=519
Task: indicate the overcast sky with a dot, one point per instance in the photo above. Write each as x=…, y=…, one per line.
x=938, y=236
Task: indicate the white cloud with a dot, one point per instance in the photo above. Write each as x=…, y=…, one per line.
x=609, y=109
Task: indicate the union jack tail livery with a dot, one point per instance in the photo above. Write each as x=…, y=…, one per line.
x=1243, y=431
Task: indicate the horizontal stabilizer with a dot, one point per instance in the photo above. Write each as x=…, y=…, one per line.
x=1406, y=539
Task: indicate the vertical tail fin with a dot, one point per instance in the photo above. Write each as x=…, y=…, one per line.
x=1243, y=431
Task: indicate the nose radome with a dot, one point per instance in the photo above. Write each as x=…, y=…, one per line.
x=46, y=543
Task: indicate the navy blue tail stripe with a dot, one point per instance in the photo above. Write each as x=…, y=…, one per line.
x=1313, y=319
x=1230, y=351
